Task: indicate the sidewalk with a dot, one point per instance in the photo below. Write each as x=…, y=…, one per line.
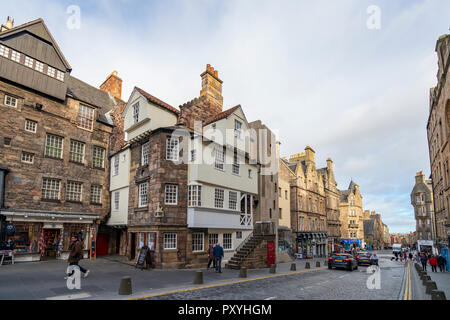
x=43, y=280
x=442, y=280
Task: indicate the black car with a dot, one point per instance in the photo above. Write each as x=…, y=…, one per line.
x=363, y=258
x=343, y=260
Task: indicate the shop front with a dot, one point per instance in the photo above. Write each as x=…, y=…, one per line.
x=348, y=244
x=39, y=235
x=311, y=244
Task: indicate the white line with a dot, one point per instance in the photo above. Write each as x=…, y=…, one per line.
x=270, y=298
x=341, y=277
x=70, y=296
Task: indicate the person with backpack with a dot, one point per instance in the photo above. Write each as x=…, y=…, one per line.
x=424, y=260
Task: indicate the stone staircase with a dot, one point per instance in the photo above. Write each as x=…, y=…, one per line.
x=244, y=251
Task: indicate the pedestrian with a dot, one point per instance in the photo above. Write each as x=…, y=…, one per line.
x=211, y=256
x=404, y=256
x=75, y=255
x=442, y=262
x=218, y=255
x=410, y=256
x=433, y=263
x=374, y=259
x=423, y=260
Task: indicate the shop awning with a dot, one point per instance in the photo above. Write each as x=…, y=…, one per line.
x=49, y=216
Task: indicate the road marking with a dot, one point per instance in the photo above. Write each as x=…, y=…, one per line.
x=270, y=298
x=408, y=295
x=70, y=296
x=341, y=277
x=225, y=284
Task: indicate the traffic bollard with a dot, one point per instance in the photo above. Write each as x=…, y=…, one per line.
x=430, y=286
x=198, y=278
x=438, y=295
x=318, y=264
x=272, y=268
x=307, y=266
x=243, y=272
x=293, y=267
x=125, y=286
x=425, y=279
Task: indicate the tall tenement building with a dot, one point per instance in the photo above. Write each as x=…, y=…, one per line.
x=438, y=133
x=54, y=142
x=422, y=201
x=351, y=216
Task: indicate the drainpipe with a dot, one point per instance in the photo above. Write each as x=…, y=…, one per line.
x=3, y=173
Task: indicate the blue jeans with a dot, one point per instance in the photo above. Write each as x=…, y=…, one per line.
x=218, y=261
x=76, y=264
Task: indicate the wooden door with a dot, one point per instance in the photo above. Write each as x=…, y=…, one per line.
x=102, y=244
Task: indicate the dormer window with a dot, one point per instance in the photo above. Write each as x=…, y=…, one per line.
x=85, y=117
x=136, y=112
x=51, y=71
x=237, y=128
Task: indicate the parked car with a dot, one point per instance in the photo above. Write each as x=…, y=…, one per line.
x=342, y=260
x=363, y=258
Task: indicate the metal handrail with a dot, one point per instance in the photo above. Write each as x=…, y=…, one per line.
x=244, y=242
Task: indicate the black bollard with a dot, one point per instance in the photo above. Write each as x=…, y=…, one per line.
x=125, y=286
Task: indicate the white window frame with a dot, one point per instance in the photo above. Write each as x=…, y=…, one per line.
x=198, y=242
x=60, y=75
x=85, y=117
x=237, y=128
x=30, y=125
x=170, y=241
x=228, y=241
x=55, y=148
x=116, y=165
x=51, y=189
x=143, y=194
x=235, y=167
x=51, y=71
x=15, y=56
x=219, y=197
x=136, y=112
x=116, y=200
x=171, y=194
x=98, y=155
x=219, y=159
x=145, y=153
x=232, y=200
x=213, y=238
x=4, y=51
x=74, y=191
x=194, y=195
x=27, y=157
x=39, y=66
x=10, y=101
x=96, y=191
x=29, y=62
x=193, y=155
x=172, y=148
x=77, y=150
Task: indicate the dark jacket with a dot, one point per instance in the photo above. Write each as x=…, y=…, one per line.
x=218, y=251
x=211, y=253
x=441, y=260
x=76, y=251
x=423, y=259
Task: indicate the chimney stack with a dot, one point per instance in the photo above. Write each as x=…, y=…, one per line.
x=8, y=26
x=113, y=85
x=212, y=86
x=420, y=177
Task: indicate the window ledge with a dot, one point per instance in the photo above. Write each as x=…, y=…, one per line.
x=51, y=200
x=77, y=163
x=74, y=201
x=53, y=158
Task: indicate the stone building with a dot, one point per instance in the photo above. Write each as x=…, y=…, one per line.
x=351, y=216
x=438, y=133
x=308, y=205
x=373, y=230
x=422, y=201
x=191, y=180
x=54, y=140
x=332, y=205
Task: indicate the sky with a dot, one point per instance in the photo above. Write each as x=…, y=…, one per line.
x=349, y=80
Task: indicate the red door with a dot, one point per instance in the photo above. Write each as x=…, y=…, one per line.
x=102, y=244
x=270, y=253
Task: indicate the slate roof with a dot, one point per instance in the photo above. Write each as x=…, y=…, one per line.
x=84, y=92
x=157, y=101
x=344, y=195
x=221, y=115
x=368, y=226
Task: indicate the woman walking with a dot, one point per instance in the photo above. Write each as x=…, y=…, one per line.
x=433, y=263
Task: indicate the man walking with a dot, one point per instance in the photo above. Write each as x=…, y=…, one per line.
x=442, y=262
x=76, y=254
x=218, y=255
x=423, y=260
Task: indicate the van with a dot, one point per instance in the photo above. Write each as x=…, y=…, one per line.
x=397, y=247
